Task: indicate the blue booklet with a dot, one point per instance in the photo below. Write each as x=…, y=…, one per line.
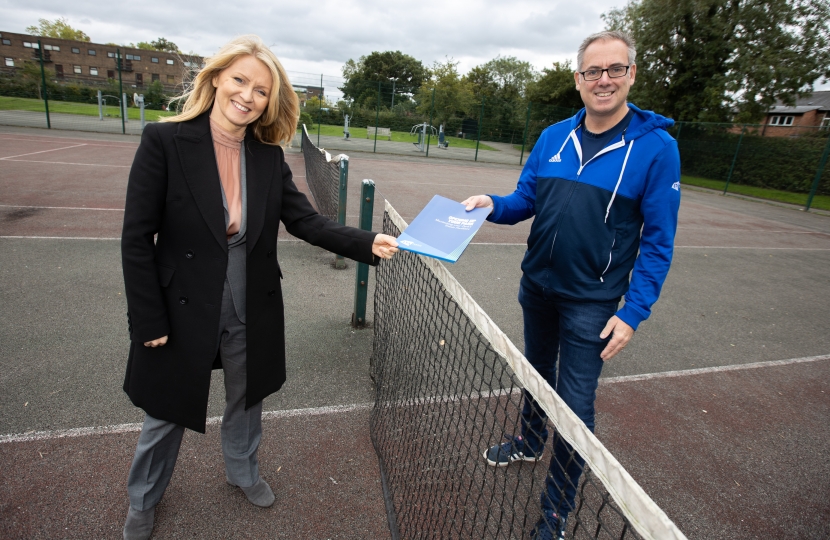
x=443, y=229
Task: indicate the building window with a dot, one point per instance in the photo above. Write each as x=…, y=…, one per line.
x=91, y=52
x=93, y=71
x=110, y=74
x=76, y=50
x=51, y=47
x=139, y=79
x=171, y=79
x=9, y=62
x=7, y=42
x=154, y=77
x=133, y=57
x=76, y=69
x=154, y=60
x=110, y=54
x=59, y=71
x=31, y=45
x=781, y=120
x=825, y=124
x=170, y=62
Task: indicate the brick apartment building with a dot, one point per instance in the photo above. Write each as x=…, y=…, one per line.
x=807, y=115
x=93, y=63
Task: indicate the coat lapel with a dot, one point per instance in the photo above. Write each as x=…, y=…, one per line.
x=195, y=147
x=259, y=170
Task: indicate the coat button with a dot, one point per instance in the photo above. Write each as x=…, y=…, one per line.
x=189, y=254
x=272, y=293
x=183, y=300
x=270, y=253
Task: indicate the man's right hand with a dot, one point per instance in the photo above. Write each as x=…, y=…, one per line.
x=478, y=201
x=156, y=342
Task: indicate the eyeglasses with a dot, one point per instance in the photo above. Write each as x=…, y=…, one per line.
x=614, y=72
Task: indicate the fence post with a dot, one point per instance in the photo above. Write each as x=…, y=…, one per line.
x=377, y=117
x=431, y=110
x=679, y=129
x=524, y=137
x=478, y=137
x=340, y=262
x=120, y=90
x=43, y=79
x=367, y=200
x=141, y=104
x=320, y=111
x=817, y=179
x=734, y=160
x=100, y=106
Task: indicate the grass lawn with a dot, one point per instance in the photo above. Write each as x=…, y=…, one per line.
x=68, y=107
x=822, y=202
x=397, y=136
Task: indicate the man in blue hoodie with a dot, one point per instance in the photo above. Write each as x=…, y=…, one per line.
x=604, y=187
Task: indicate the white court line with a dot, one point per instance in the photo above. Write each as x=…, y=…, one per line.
x=69, y=139
x=136, y=427
x=61, y=238
x=676, y=247
x=338, y=409
x=10, y=158
x=61, y=207
x=66, y=163
x=716, y=369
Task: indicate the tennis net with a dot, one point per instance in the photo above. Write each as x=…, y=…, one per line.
x=449, y=384
x=326, y=178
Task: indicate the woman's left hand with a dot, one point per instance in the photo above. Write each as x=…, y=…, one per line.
x=384, y=246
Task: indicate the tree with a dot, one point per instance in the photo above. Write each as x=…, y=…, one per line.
x=162, y=44
x=556, y=86
x=719, y=60
x=393, y=69
x=59, y=28
x=453, y=94
x=502, y=83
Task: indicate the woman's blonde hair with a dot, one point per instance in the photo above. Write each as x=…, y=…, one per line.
x=278, y=123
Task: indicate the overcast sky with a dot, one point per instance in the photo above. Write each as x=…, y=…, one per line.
x=317, y=37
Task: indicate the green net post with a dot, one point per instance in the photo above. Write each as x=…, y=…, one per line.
x=340, y=262
x=480, y=117
x=734, y=159
x=817, y=179
x=377, y=119
x=43, y=80
x=320, y=111
x=121, y=91
x=431, y=110
x=679, y=129
x=361, y=285
x=524, y=137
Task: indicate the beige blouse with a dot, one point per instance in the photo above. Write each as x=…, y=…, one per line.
x=226, y=146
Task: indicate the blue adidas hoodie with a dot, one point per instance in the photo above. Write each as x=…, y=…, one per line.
x=585, y=239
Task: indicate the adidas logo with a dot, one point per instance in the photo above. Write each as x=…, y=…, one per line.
x=555, y=159
x=676, y=186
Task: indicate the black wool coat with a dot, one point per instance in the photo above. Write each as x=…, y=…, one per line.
x=174, y=284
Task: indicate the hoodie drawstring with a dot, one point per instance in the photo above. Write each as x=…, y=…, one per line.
x=614, y=195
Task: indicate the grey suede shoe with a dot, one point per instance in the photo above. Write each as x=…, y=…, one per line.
x=259, y=494
x=139, y=524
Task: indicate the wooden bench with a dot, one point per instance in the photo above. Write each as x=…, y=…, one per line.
x=382, y=132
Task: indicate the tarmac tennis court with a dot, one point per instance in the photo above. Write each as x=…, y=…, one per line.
x=719, y=407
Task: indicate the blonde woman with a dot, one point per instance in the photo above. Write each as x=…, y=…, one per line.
x=207, y=191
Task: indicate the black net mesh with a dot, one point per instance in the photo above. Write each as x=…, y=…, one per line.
x=444, y=396
x=323, y=178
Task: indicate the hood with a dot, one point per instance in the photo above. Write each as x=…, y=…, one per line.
x=642, y=123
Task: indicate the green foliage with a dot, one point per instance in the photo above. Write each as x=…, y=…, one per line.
x=306, y=119
x=453, y=94
x=556, y=86
x=59, y=28
x=782, y=163
x=393, y=69
x=700, y=60
x=502, y=78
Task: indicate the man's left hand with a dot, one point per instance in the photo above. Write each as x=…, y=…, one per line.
x=622, y=334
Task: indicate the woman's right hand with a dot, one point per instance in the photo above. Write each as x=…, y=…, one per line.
x=156, y=342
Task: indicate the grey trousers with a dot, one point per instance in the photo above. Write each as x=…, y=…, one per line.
x=159, y=442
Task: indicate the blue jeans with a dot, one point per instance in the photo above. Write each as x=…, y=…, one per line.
x=558, y=330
